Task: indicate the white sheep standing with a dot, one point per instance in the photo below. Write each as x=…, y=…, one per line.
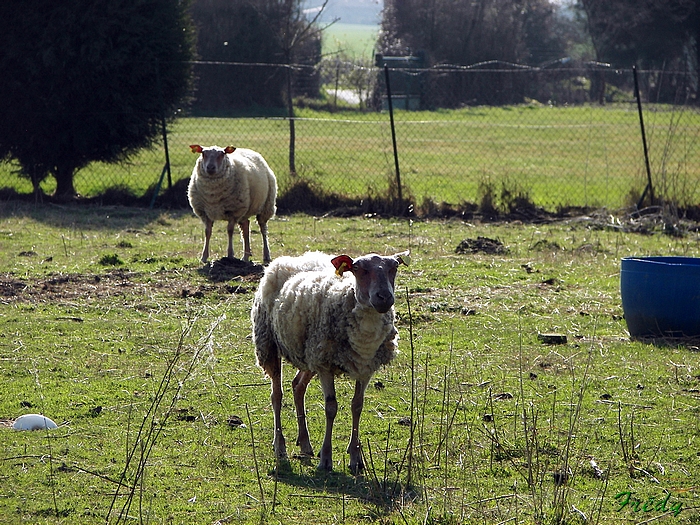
x=325, y=323
x=232, y=184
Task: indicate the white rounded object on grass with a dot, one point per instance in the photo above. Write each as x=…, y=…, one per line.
x=33, y=422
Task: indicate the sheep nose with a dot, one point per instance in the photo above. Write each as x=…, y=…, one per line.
x=383, y=302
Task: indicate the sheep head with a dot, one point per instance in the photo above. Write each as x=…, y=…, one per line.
x=212, y=157
x=374, y=277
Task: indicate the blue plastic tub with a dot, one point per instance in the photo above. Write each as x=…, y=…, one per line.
x=661, y=296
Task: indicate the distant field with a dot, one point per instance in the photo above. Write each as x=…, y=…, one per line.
x=567, y=156
x=354, y=40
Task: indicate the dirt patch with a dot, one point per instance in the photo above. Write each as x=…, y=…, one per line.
x=119, y=282
x=481, y=245
x=65, y=286
x=225, y=269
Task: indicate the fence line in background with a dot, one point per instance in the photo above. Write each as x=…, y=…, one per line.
x=555, y=154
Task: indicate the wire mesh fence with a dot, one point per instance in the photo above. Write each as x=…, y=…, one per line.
x=574, y=140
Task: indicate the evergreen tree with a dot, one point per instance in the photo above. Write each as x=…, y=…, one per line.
x=88, y=80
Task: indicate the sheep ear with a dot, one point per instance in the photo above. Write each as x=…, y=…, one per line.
x=229, y=149
x=342, y=264
x=404, y=257
x=196, y=148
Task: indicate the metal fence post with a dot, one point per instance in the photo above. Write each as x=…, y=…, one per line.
x=292, y=131
x=649, y=187
x=393, y=133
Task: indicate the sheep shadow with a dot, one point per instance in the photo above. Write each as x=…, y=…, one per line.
x=225, y=269
x=384, y=494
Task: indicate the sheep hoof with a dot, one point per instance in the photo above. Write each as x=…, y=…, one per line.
x=325, y=466
x=305, y=447
x=356, y=469
x=283, y=466
x=280, y=447
x=307, y=452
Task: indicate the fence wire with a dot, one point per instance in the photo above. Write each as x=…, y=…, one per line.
x=573, y=140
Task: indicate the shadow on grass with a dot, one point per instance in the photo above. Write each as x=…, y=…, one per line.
x=386, y=495
x=112, y=211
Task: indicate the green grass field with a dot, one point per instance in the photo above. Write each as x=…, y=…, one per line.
x=111, y=326
x=584, y=156
x=352, y=40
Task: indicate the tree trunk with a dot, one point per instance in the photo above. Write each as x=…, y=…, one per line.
x=64, y=182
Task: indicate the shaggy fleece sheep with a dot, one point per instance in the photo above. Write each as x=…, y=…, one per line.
x=232, y=184
x=327, y=316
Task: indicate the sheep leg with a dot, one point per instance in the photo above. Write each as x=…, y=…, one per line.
x=245, y=233
x=266, y=247
x=230, y=229
x=208, y=226
x=273, y=368
x=358, y=400
x=328, y=386
x=299, y=384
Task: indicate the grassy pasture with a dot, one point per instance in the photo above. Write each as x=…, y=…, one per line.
x=352, y=40
x=563, y=156
x=110, y=326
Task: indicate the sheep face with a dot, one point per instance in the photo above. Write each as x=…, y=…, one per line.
x=212, y=158
x=374, y=278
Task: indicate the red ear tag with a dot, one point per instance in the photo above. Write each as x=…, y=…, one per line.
x=343, y=267
x=196, y=148
x=342, y=264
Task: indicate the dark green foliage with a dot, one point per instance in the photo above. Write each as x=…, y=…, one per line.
x=470, y=32
x=653, y=34
x=89, y=80
x=235, y=32
x=488, y=32
x=268, y=33
x=110, y=260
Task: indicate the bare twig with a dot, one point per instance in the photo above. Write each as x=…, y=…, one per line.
x=255, y=461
